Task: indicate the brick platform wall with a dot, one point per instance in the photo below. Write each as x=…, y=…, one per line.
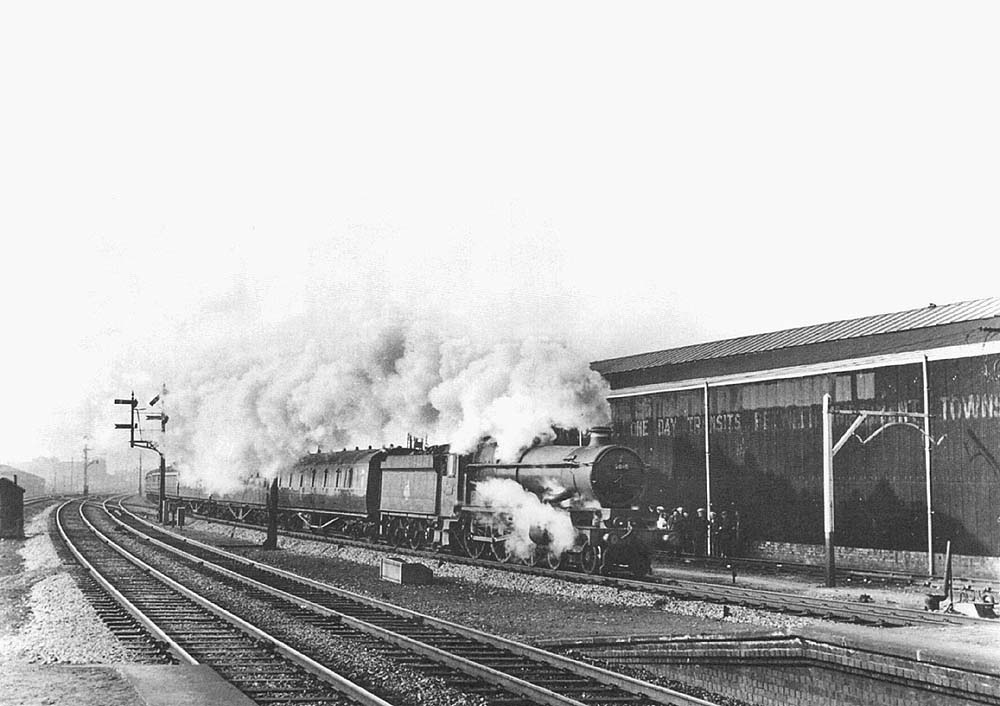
x=876, y=559
x=773, y=685
x=779, y=671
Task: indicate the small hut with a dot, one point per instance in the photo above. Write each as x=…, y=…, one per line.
x=11, y=509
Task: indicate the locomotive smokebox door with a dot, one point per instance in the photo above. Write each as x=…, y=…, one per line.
x=11, y=510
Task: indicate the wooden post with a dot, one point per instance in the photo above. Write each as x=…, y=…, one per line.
x=947, y=576
x=271, y=542
x=163, y=490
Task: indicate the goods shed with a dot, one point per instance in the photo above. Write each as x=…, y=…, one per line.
x=737, y=424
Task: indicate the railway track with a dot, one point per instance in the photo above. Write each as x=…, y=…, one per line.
x=713, y=592
x=499, y=671
x=769, y=567
x=196, y=631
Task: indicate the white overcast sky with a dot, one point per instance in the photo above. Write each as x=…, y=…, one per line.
x=624, y=176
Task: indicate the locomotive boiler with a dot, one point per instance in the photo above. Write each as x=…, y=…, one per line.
x=432, y=498
x=610, y=476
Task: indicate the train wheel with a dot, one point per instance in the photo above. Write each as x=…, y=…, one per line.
x=639, y=567
x=397, y=535
x=538, y=558
x=473, y=548
x=416, y=535
x=590, y=559
x=552, y=561
x=500, y=551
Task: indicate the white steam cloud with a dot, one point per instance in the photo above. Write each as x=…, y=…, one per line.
x=257, y=411
x=528, y=515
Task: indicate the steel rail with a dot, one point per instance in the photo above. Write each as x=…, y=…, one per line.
x=719, y=593
x=710, y=563
x=826, y=608
x=634, y=686
x=154, y=630
x=772, y=566
x=513, y=684
x=345, y=686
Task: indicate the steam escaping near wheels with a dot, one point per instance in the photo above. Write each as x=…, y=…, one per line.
x=528, y=519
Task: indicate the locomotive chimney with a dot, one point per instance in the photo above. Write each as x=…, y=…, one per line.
x=599, y=436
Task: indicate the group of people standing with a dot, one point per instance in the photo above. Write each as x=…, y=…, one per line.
x=686, y=534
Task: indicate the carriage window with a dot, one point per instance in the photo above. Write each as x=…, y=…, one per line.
x=302, y=479
x=326, y=476
x=313, y=484
x=336, y=480
x=350, y=478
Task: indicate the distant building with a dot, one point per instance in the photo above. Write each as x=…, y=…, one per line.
x=67, y=476
x=33, y=485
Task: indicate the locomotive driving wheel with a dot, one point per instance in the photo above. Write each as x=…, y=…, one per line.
x=640, y=567
x=538, y=557
x=500, y=551
x=590, y=559
x=473, y=548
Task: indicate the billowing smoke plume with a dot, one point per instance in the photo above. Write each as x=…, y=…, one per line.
x=530, y=518
x=257, y=411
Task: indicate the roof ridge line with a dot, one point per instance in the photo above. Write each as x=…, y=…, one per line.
x=858, y=322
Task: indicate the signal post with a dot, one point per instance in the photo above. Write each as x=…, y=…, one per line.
x=141, y=443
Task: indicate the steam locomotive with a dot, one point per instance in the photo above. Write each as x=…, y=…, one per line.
x=431, y=498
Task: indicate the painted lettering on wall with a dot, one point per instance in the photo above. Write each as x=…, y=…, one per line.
x=975, y=406
x=758, y=420
x=639, y=427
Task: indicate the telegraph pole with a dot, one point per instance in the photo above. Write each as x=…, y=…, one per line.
x=86, y=463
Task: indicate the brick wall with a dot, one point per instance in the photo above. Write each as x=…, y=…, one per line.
x=791, y=670
x=779, y=685
x=877, y=559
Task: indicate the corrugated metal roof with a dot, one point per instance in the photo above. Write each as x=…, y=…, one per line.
x=805, y=335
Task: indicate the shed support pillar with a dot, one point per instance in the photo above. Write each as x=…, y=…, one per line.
x=828, y=523
x=708, y=481
x=927, y=471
